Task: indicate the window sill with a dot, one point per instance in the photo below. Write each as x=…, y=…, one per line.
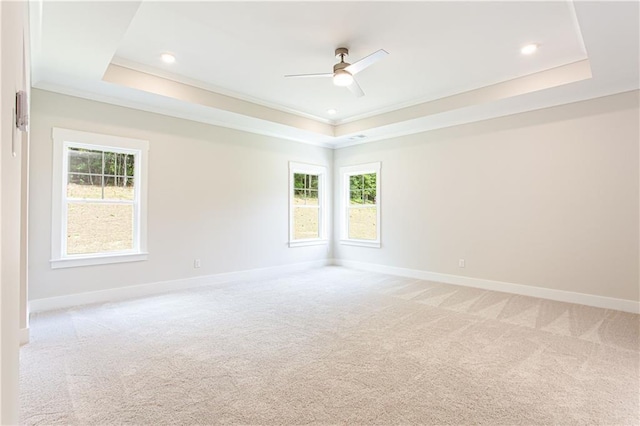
x=304, y=243
x=73, y=262
x=361, y=243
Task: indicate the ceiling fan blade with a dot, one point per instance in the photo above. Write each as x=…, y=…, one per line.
x=329, y=74
x=363, y=63
x=355, y=88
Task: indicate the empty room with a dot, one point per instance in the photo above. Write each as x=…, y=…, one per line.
x=285, y=213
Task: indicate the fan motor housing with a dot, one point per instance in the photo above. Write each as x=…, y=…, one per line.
x=342, y=51
x=340, y=66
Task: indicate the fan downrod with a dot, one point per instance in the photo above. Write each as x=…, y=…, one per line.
x=342, y=52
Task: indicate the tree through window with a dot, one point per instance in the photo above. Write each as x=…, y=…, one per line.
x=100, y=201
x=306, y=204
x=363, y=209
x=361, y=205
x=99, y=198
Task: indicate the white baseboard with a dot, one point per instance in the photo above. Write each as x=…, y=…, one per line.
x=24, y=336
x=122, y=293
x=525, y=290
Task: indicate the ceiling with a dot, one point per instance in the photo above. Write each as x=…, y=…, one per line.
x=448, y=62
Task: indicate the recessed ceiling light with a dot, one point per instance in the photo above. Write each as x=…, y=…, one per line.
x=529, y=49
x=168, y=58
x=332, y=111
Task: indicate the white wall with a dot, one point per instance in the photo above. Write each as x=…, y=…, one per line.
x=547, y=198
x=13, y=26
x=217, y=194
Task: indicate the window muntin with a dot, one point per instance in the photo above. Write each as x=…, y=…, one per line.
x=307, y=204
x=99, y=199
x=100, y=174
x=361, y=195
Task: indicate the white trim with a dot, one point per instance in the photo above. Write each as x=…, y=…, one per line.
x=129, y=292
x=345, y=173
x=62, y=140
x=624, y=305
x=359, y=169
x=91, y=139
x=321, y=172
x=175, y=113
x=24, y=336
x=305, y=243
x=360, y=243
x=101, y=259
x=122, y=293
x=136, y=66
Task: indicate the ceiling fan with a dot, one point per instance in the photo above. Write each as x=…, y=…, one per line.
x=343, y=72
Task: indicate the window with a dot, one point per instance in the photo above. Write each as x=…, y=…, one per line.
x=361, y=205
x=99, y=199
x=307, y=205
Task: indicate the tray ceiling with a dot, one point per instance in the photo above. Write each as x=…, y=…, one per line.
x=449, y=62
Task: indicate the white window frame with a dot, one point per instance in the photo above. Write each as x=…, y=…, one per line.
x=321, y=172
x=345, y=175
x=63, y=139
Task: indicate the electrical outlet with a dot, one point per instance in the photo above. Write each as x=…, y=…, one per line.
x=461, y=263
x=196, y=263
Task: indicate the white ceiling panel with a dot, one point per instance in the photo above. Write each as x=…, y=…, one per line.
x=436, y=48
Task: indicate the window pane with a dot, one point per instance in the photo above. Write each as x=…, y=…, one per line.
x=356, y=196
x=298, y=180
x=85, y=161
x=118, y=188
x=305, y=190
x=130, y=164
x=363, y=223
x=98, y=228
x=118, y=164
x=85, y=179
x=84, y=186
x=369, y=187
x=312, y=197
x=299, y=196
x=306, y=223
x=110, y=163
x=362, y=188
x=313, y=182
x=305, y=181
x=355, y=182
x=369, y=181
x=370, y=196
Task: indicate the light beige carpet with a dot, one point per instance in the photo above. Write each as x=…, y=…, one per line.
x=332, y=346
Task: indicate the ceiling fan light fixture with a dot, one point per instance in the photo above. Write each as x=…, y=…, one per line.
x=342, y=78
x=343, y=72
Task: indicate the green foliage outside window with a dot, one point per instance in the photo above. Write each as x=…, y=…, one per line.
x=362, y=189
x=305, y=186
x=86, y=167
